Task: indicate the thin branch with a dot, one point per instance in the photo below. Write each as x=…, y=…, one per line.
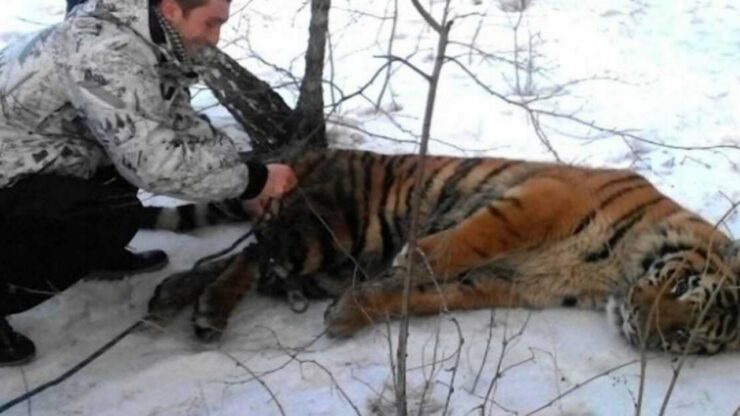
x=702, y=315
x=584, y=123
x=393, y=58
x=259, y=380
x=402, y=351
x=483, y=361
x=580, y=385
x=428, y=17
x=458, y=354
x=391, y=41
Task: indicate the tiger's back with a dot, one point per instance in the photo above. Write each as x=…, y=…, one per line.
x=364, y=198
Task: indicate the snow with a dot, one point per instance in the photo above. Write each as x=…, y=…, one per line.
x=664, y=70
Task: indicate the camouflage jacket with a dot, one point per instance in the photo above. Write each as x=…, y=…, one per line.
x=104, y=87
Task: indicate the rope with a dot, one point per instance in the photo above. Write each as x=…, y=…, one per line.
x=112, y=343
x=74, y=370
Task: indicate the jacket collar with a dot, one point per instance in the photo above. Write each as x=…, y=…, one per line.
x=162, y=32
x=140, y=15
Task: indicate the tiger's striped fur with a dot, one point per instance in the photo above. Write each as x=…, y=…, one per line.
x=494, y=233
x=188, y=217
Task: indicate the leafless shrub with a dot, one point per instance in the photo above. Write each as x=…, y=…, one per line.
x=513, y=5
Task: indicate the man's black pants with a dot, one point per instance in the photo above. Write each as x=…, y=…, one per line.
x=54, y=230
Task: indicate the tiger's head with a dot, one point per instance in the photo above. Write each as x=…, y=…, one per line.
x=688, y=299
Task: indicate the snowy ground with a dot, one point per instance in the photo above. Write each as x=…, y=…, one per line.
x=666, y=70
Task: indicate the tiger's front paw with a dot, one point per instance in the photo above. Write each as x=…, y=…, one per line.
x=170, y=296
x=346, y=315
x=209, y=321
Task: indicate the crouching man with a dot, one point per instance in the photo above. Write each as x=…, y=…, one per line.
x=91, y=110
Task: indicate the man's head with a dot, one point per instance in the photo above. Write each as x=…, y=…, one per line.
x=197, y=21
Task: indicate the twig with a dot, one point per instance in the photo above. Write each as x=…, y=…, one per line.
x=588, y=124
x=25, y=385
x=391, y=41
x=443, y=30
x=505, y=342
x=485, y=352
x=334, y=382
x=458, y=354
x=702, y=315
x=259, y=380
x=580, y=385
x=432, y=372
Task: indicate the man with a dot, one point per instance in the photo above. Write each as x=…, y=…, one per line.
x=91, y=110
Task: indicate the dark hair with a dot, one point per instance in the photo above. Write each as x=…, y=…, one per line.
x=72, y=3
x=186, y=5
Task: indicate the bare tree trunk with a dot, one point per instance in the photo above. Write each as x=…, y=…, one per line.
x=271, y=124
x=268, y=120
x=311, y=126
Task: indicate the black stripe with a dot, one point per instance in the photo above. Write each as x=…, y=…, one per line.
x=366, y=163
x=389, y=179
x=411, y=177
x=348, y=204
x=387, y=238
x=307, y=168
x=623, y=179
x=347, y=200
x=448, y=198
x=397, y=182
x=235, y=207
x=433, y=175
x=500, y=215
x=359, y=190
x=664, y=250
x=296, y=247
x=492, y=174
x=327, y=159
x=402, y=230
x=461, y=172
x=214, y=214
x=611, y=198
x=569, y=301
x=326, y=242
x=625, y=223
x=585, y=222
x=149, y=217
x=186, y=217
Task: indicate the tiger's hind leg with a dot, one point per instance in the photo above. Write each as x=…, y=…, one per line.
x=379, y=300
x=539, y=210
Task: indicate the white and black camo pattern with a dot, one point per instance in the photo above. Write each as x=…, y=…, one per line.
x=95, y=90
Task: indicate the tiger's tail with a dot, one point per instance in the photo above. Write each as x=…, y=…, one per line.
x=191, y=216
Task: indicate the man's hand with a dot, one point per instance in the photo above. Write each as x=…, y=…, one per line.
x=280, y=181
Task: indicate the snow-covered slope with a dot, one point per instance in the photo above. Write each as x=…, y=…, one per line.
x=666, y=71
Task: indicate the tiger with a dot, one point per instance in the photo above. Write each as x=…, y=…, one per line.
x=492, y=233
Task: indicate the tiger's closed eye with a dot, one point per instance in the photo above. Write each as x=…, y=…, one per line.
x=681, y=287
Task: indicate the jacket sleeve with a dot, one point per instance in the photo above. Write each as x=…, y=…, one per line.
x=160, y=145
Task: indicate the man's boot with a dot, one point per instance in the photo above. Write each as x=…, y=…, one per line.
x=127, y=263
x=15, y=349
